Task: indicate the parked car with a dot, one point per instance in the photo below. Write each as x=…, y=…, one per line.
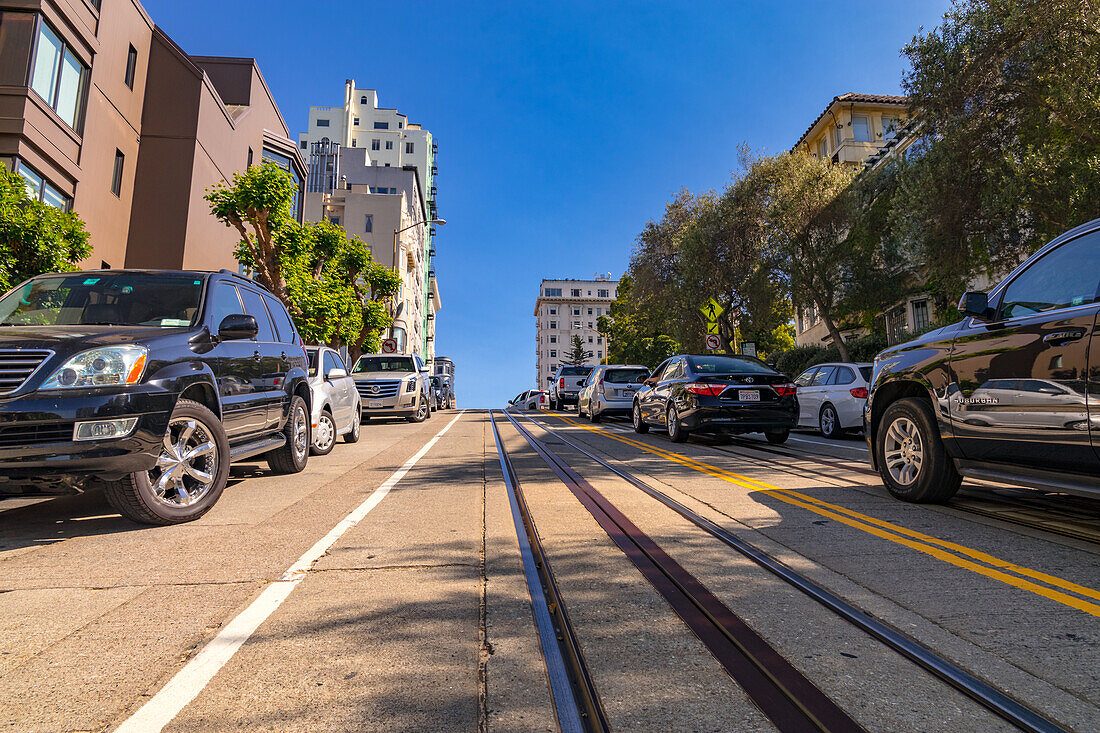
x=831, y=397
x=393, y=385
x=336, y=404
x=716, y=394
x=1001, y=395
x=441, y=392
x=151, y=382
x=610, y=389
x=532, y=399
x=566, y=385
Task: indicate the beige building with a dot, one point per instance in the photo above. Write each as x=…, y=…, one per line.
x=372, y=204
x=566, y=308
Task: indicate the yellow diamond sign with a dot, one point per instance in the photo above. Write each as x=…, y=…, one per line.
x=712, y=310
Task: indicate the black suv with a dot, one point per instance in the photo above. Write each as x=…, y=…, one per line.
x=149, y=381
x=1011, y=393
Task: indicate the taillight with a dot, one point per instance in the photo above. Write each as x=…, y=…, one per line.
x=860, y=393
x=561, y=383
x=785, y=390
x=705, y=388
x=599, y=384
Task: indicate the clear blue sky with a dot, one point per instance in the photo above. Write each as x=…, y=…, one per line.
x=562, y=127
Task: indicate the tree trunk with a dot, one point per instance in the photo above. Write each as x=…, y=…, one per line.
x=834, y=332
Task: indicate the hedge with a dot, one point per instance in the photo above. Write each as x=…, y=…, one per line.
x=794, y=361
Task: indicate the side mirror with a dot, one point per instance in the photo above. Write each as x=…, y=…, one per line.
x=336, y=373
x=238, y=326
x=976, y=305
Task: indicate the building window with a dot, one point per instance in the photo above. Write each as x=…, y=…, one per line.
x=249, y=164
x=589, y=339
x=381, y=125
x=576, y=311
x=131, y=66
x=553, y=324
x=599, y=339
x=58, y=76
x=553, y=311
x=376, y=144
x=400, y=125
x=304, y=145
x=363, y=100
x=603, y=293
x=590, y=324
x=389, y=145
x=16, y=41
x=553, y=339
x=369, y=226
x=576, y=292
x=553, y=353
x=861, y=128
x=836, y=136
x=589, y=311
x=354, y=143
x=823, y=149
x=889, y=128
x=576, y=324
x=104, y=265
x=553, y=292
x=116, y=180
x=39, y=188
x=335, y=220
x=355, y=122
x=322, y=123
x=409, y=147
x=920, y=315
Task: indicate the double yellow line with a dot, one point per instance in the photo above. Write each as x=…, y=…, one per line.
x=949, y=552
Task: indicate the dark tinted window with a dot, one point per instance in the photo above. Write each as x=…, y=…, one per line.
x=254, y=306
x=164, y=301
x=625, y=376
x=728, y=365
x=1064, y=277
x=866, y=372
x=575, y=371
x=223, y=302
x=384, y=364
x=283, y=327
x=311, y=357
x=822, y=377
x=844, y=375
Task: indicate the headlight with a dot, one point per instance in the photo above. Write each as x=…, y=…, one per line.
x=100, y=368
x=411, y=385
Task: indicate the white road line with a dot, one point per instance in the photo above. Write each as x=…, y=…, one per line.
x=189, y=681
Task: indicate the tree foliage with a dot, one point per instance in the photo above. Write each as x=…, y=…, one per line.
x=577, y=353
x=35, y=237
x=333, y=289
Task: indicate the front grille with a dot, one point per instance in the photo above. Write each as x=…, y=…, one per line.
x=17, y=365
x=15, y=436
x=385, y=389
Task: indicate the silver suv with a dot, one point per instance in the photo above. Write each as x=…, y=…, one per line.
x=610, y=389
x=393, y=385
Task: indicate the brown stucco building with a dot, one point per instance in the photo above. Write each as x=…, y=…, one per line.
x=102, y=113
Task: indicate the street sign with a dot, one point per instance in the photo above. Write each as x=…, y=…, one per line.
x=748, y=348
x=711, y=309
x=712, y=327
x=713, y=342
x=389, y=346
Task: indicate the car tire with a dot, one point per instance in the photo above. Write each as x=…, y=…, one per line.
x=676, y=432
x=777, y=437
x=352, y=436
x=828, y=422
x=908, y=431
x=135, y=496
x=640, y=425
x=294, y=454
x=421, y=413
x=326, y=431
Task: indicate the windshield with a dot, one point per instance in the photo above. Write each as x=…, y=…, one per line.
x=625, y=376
x=575, y=371
x=88, y=299
x=728, y=365
x=383, y=364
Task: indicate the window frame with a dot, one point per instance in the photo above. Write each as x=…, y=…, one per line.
x=82, y=93
x=118, y=172
x=131, y=67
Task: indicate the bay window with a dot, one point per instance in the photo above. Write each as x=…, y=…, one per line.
x=58, y=76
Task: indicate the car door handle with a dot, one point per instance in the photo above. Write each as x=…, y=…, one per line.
x=1063, y=337
x=282, y=355
x=256, y=355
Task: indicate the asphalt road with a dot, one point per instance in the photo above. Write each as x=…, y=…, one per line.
x=382, y=589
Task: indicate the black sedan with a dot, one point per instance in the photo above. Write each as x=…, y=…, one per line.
x=717, y=394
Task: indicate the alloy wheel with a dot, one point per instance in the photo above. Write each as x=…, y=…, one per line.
x=828, y=421
x=188, y=464
x=670, y=423
x=903, y=451
x=300, y=432
x=326, y=433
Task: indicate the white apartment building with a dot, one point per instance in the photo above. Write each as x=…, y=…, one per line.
x=566, y=308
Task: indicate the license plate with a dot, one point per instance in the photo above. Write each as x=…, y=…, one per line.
x=627, y=393
x=748, y=395
x=377, y=404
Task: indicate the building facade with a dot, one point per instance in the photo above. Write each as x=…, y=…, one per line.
x=567, y=308
x=92, y=94
x=340, y=142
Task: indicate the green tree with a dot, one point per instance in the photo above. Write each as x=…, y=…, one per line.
x=577, y=354
x=332, y=288
x=35, y=237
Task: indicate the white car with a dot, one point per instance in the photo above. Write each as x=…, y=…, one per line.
x=532, y=399
x=336, y=404
x=831, y=397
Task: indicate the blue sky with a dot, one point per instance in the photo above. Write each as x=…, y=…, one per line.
x=562, y=127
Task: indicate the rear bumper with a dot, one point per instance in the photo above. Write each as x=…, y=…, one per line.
x=568, y=398
x=624, y=404
x=741, y=418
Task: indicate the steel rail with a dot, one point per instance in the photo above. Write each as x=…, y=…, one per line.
x=576, y=702
x=790, y=700
x=994, y=700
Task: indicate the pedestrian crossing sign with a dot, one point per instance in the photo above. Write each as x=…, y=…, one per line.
x=712, y=310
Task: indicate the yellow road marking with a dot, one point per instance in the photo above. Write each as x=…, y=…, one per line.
x=885, y=530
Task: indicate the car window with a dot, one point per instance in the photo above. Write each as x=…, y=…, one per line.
x=728, y=365
x=284, y=329
x=160, y=300
x=330, y=363
x=311, y=358
x=806, y=377
x=1064, y=277
x=822, y=377
x=575, y=371
x=625, y=376
x=254, y=306
x=843, y=375
x=866, y=372
x=675, y=370
x=223, y=302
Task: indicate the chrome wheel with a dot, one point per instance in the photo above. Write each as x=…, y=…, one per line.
x=326, y=433
x=828, y=421
x=670, y=422
x=422, y=411
x=188, y=463
x=903, y=451
x=300, y=428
